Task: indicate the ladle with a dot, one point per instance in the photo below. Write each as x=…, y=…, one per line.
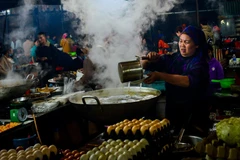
x=178, y=143
x=142, y=57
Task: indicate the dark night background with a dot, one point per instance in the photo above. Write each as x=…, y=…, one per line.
x=184, y=13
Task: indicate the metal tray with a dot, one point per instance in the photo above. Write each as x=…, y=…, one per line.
x=5, y=122
x=38, y=96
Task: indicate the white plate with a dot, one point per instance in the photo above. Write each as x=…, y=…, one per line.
x=53, y=81
x=79, y=75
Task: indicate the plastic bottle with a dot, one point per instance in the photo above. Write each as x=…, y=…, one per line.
x=234, y=58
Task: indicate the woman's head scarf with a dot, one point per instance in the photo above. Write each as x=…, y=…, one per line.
x=64, y=36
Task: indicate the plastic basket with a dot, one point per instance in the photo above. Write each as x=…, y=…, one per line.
x=25, y=142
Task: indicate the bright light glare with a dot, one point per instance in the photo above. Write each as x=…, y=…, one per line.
x=227, y=23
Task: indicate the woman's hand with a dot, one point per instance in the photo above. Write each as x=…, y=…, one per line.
x=152, y=77
x=153, y=56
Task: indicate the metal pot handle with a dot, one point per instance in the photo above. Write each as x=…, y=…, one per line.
x=30, y=75
x=92, y=97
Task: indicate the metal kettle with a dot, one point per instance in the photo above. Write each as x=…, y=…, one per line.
x=131, y=70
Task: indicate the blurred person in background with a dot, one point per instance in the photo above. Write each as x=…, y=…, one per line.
x=146, y=46
x=162, y=45
x=20, y=58
x=27, y=45
x=88, y=72
x=66, y=43
x=6, y=62
x=16, y=43
x=207, y=31
x=215, y=71
x=178, y=31
x=78, y=61
x=33, y=51
x=49, y=39
x=54, y=40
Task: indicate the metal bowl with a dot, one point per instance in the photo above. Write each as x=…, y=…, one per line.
x=20, y=100
x=187, y=144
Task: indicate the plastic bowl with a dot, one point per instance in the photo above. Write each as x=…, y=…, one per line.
x=225, y=83
x=73, y=54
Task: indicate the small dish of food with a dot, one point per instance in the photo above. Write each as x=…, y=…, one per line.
x=46, y=89
x=37, y=96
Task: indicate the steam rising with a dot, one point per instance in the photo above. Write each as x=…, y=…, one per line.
x=24, y=20
x=116, y=25
x=215, y=4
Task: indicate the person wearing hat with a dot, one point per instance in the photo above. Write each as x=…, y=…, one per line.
x=187, y=78
x=66, y=43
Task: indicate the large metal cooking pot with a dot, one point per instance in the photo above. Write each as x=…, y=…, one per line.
x=12, y=88
x=114, y=112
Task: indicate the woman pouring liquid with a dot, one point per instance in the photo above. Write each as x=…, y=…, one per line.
x=186, y=76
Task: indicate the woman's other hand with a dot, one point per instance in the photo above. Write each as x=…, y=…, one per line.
x=152, y=77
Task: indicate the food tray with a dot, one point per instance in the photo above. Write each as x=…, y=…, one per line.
x=155, y=131
x=15, y=125
x=148, y=152
x=166, y=152
x=37, y=96
x=44, y=106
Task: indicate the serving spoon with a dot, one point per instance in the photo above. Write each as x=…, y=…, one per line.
x=178, y=143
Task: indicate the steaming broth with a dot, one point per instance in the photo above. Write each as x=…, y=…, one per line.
x=12, y=83
x=119, y=99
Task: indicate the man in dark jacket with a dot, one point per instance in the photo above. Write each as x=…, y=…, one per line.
x=50, y=57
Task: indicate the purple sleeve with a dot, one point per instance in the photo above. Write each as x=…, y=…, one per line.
x=198, y=75
x=159, y=65
x=220, y=72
